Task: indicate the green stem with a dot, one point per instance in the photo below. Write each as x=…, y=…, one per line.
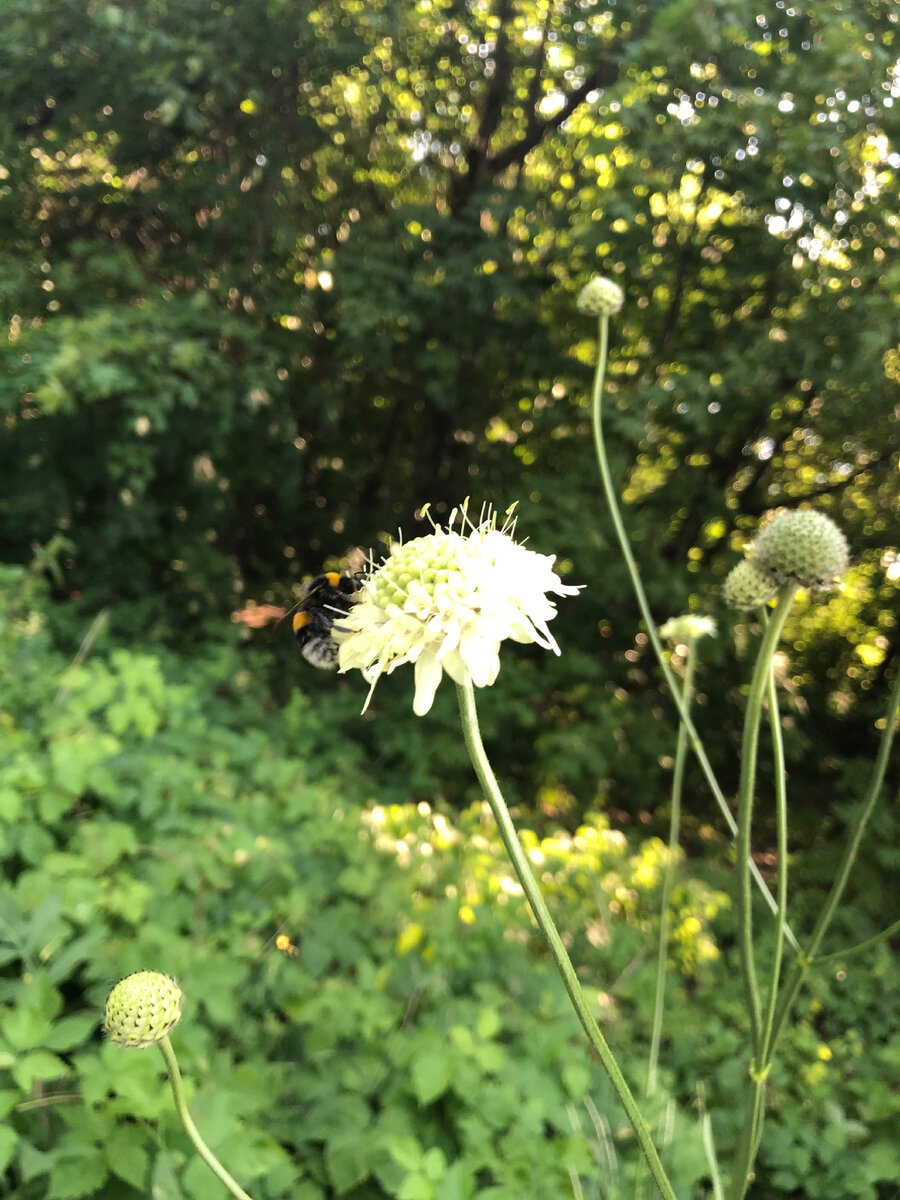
x=756, y=1114
x=840, y=955
x=631, y=564
x=753, y=1127
x=759, y=684
x=669, y=877
x=709, y=1146
x=746, y=788
x=781, y=822
x=802, y=965
x=469, y=717
x=200, y=1146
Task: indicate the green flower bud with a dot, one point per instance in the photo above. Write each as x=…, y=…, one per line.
x=747, y=586
x=142, y=1008
x=687, y=628
x=802, y=547
x=600, y=298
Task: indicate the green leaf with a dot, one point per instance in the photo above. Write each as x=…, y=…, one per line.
x=576, y=1079
x=8, y=1141
x=164, y=1183
x=75, y=1175
x=127, y=1156
x=488, y=1024
x=406, y=1151
x=38, y=1067
x=33, y=1162
x=10, y=804
x=432, y=1072
x=347, y=1162
x=334, y=1115
x=456, y=1183
x=73, y=1031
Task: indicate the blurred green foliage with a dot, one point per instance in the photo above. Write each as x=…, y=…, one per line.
x=369, y=1012
x=275, y=276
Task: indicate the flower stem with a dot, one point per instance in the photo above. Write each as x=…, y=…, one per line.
x=669, y=877
x=781, y=822
x=200, y=1146
x=762, y=1057
x=803, y=964
x=643, y=605
x=486, y=778
x=841, y=955
x=746, y=788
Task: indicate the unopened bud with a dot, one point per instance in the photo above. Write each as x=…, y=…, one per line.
x=600, y=298
x=142, y=1008
x=747, y=586
x=802, y=547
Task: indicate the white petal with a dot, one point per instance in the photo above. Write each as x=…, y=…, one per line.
x=482, y=657
x=456, y=668
x=428, y=676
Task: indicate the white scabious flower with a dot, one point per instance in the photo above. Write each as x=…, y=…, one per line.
x=445, y=602
x=687, y=628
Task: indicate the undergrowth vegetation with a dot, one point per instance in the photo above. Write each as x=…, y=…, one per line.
x=368, y=1013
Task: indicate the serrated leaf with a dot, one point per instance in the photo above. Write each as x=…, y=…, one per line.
x=33, y=1162
x=72, y=1177
x=71, y=1031
x=127, y=1156
x=38, y=1066
x=164, y=1183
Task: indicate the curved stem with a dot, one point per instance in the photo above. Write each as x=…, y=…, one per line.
x=749, y=744
x=781, y=822
x=200, y=1146
x=756, y=1114
x=547, y=927
x=802, y=965
x=748, y=1145
x=669, y=877
x=637, y=585
x=759, y=682
x=840, y=955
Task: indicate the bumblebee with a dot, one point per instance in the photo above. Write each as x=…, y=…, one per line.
x=326, y=597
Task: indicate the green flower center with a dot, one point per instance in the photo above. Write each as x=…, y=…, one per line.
x=427, y=561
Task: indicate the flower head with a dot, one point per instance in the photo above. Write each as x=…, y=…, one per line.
x=142, y=1008
x=802, y=547
x=687, y=628
x=445, y=602
x=600, y=298
x=747, y=586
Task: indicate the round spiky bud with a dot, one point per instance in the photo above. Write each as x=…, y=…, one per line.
x=600, y=298
x=142, y=1008
x=802, y=547
x=747, y=586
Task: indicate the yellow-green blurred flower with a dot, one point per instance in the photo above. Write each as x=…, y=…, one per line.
x=687, y=628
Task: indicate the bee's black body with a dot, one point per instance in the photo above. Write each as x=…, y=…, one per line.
x=326, y=598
